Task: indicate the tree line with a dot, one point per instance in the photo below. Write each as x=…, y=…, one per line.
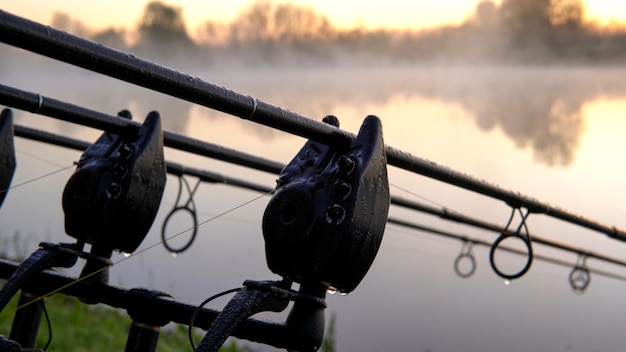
x=268, y=33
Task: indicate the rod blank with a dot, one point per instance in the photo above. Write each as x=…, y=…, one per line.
x=57, y=109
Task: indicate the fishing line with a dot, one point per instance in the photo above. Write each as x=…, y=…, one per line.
x=199, y=224
x=421, y=253
x=190, y=208
x=229, y=218
x=411, y=232
x=420, y=196
x=442, y=206
x=37, y=178
x=126, y=258
x=37, y=157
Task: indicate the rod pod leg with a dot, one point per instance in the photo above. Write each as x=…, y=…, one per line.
x=143, y=335
x=142, y=338
x=26, y=321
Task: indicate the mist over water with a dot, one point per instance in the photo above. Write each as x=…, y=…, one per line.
x=552, y=132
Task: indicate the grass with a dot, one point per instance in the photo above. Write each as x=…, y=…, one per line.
x=80, y=327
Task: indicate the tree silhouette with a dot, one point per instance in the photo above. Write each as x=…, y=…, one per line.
x=487, y=14
x=527, y=25
x=64, y=22
x=297, y=23
x=111, y=37
x=253, y=24
x=272, y=32
x=567, y=13
x=266, y=22
x=162, y=29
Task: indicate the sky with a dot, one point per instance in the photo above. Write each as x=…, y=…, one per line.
x=391, y=14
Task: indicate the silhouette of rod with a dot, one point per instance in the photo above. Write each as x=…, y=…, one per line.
x=178, y=169
x=171, y=167
x=545, y=258
x=80, y=52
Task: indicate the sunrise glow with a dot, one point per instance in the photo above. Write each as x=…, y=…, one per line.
x=395, y=14
x=606, y=12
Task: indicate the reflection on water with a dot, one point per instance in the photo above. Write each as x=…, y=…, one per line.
x=539, y=108
x=536, y=108
x=537, y=130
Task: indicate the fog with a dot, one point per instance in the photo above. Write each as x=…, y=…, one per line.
x=282, y=34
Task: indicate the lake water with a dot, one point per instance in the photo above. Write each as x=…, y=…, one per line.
x=557, y=134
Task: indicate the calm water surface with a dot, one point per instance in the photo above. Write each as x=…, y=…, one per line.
x=557, y=134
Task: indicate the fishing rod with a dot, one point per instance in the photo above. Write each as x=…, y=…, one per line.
x=56, y=44
x=178, y=169
x=467, y=220
x=466, y=252
x=36, y=103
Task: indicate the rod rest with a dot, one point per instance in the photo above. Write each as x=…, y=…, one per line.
x=305, y=322
x=7, y=345
x=47, y=256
